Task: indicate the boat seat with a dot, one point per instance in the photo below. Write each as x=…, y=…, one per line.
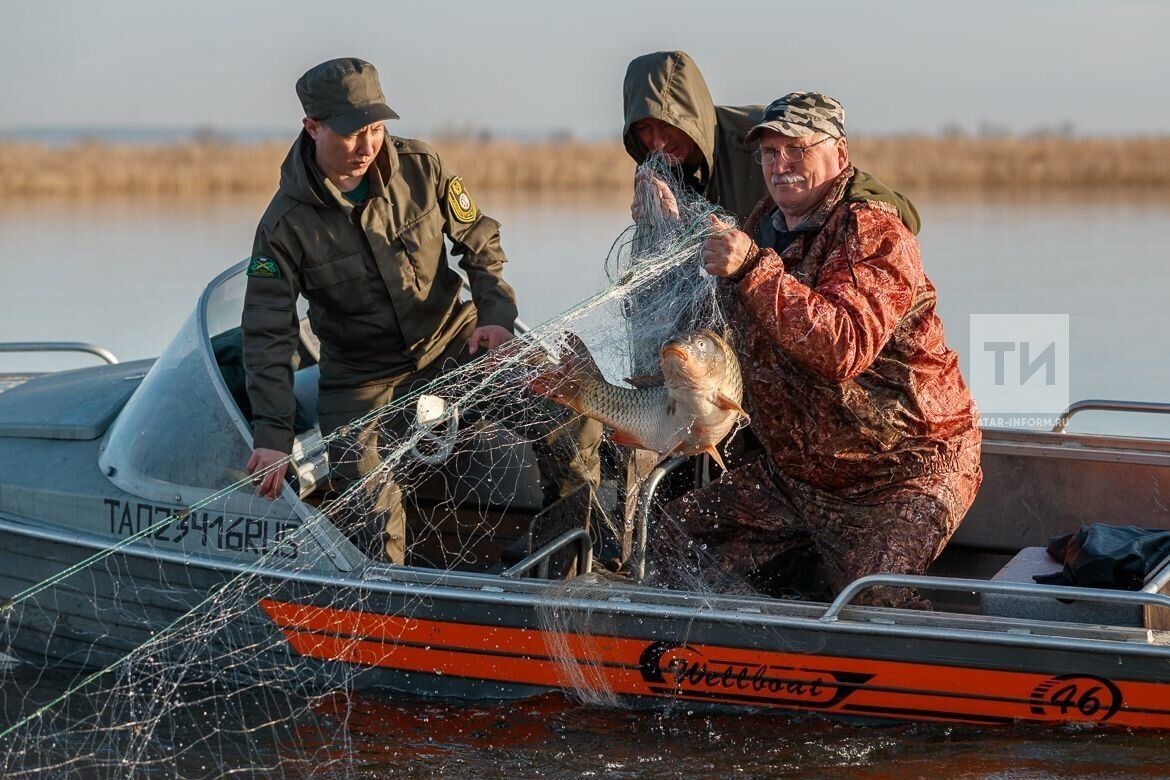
x=1032, y=561
x=76, y=405
x=312, y=473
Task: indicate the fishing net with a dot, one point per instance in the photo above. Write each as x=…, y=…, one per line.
x=234, y=634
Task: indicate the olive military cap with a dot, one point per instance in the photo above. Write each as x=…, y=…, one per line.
x=802, y=113
x=344, y=94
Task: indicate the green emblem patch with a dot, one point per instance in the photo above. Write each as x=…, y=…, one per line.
x=264, y=268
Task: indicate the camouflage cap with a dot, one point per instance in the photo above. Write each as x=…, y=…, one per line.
x=345, y=94
x=802, y=113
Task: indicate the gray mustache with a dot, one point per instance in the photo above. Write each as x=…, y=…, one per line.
x=787, y=178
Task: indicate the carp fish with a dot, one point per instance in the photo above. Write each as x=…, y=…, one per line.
x=686, y=410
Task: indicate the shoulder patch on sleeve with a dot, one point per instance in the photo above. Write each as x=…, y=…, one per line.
x=462, y=206
x=264, y=268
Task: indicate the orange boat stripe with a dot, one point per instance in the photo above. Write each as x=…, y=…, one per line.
x=643, y=667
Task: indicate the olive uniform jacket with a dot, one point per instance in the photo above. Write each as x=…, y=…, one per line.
x=668, y=86
x=382, y=298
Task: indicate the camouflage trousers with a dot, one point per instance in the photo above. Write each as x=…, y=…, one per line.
x=754, y=517
x=372, y=516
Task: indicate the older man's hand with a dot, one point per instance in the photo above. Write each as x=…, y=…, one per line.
x=489, y=337
x=646, y=183
x=725, y=252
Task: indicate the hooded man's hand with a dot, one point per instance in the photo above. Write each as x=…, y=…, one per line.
x=647, y=186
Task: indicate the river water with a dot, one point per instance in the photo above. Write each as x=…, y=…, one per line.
x=125, y=274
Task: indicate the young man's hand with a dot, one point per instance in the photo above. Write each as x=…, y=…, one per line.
x=268, y=485
x=489, y=337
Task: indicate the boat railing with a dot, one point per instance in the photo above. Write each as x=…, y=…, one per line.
x=1143, y=598
x=1159, y=578
x=1108, y=405
x=11, y=379
x=540, y=558
x=642, y=516
x=59, y=346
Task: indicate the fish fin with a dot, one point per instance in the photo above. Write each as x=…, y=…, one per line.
x=645, y=381
x=714, y=453
x=626, y=439
x=543, y=383
x=728, y=404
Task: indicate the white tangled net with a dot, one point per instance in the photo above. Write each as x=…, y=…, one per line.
x=178, y=667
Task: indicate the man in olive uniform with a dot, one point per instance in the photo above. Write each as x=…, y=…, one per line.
x=357, y=228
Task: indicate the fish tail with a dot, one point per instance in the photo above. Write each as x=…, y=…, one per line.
x=576, y=370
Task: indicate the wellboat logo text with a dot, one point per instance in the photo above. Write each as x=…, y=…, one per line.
x=680, y=669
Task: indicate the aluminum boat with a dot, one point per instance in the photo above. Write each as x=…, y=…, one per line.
x=115, y=527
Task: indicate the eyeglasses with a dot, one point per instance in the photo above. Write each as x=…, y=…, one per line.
x=766, y=155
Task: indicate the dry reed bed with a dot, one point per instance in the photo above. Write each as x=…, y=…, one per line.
x=101, y=170
x=94, y=170
x=1016, y=163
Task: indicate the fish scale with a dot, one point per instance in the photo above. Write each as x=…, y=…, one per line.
x=642, y=413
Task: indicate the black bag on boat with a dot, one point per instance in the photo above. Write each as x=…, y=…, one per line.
x=1107, y=556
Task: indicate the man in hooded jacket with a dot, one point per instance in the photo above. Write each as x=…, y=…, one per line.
x=669, y=109
x=357, y=228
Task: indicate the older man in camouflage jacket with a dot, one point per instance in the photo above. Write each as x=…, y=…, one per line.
x=871, y=436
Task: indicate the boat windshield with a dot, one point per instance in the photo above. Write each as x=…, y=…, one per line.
x=181, y=434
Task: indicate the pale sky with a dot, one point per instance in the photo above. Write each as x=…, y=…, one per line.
x=520, y=67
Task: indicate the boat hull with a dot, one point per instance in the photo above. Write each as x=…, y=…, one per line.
x=438, y=635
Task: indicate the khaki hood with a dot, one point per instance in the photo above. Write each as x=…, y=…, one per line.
x=668, y=86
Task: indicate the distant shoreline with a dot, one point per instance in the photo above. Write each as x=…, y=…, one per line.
x=90, y=170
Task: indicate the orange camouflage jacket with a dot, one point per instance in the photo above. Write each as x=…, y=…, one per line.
x=852, y=385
